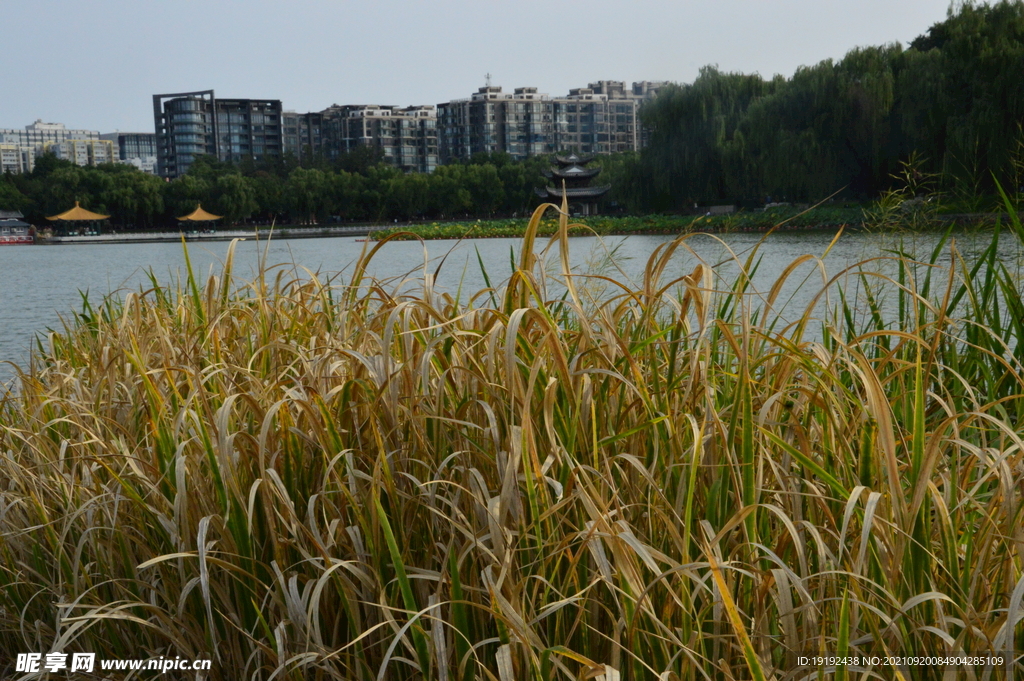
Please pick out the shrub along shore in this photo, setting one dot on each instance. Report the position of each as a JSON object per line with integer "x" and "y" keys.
{"x": 303, "y": 479}
{"x": 777, "y": 219}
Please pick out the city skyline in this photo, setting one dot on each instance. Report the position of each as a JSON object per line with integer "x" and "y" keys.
{"x": 317, "y": 53}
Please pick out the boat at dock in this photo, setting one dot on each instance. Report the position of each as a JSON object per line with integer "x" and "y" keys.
{"x": 14, "y": 231}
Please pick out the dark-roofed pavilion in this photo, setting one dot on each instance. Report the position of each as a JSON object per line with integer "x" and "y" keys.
{"x": 571, "y": 178}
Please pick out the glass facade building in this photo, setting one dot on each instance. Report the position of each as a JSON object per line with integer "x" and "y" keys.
{"x": 191, "y": 124}
{"x": 134, "y": 148}
{"x": 303, "y": 134}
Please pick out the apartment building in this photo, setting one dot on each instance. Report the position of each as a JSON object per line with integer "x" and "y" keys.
{"x": 13, "y": 159}
{"x": 406, "y": 137}
{"x": 191, "y": 124}
{"x": 83, "y": 152}
{"x": 520, "y": 123}
{"x": 184, "y": 130}
{"x": 21, "y": 147}
{"x": 303, "y": 134}
{"x": 599, "y": 119}
{"x": 39, "y": 133}
{"x": 249, "y": 128}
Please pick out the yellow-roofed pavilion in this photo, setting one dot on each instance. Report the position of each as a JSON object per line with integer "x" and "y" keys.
{"x": 79, "y": 214}
{"x": 199, "y": 215}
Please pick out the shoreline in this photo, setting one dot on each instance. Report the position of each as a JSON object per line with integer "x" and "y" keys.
{"x": 495, "y": 229}
{"x": 664, "y": 225}
{"x": 224, "y": 235}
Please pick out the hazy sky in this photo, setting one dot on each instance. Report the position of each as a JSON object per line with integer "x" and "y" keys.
{"x": 96, "y": 64}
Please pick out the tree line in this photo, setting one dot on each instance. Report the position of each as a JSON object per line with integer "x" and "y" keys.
{"x": 358, "y": 187}
{"x": 951, "y": 104}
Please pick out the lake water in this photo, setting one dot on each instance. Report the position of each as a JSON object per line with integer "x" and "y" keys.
{"x": 40, "y": 285}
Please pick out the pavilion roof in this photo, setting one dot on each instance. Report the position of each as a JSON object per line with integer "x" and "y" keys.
{"x": 578, "y": 192}
{"x": 575, "y": 171}
{"x": 200, "y": 215}
{"x": 573, "y": 160}
{"x": 79, "y": 213}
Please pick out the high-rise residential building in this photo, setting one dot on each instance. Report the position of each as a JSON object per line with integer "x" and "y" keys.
{"x": 521, "y": 123}
{"x": 13, "y": 159}
{"x": 184, "y": 130}
{"x": 190, "y": 124}
{"x": 477, "y": 124}
{"x": 406, "y": 137}
{"x": 599, "y": 119}
{"x": 249, "y": 128}
{"x": 83, "y": 152}
{"x": 529, "y": 124}
{"x": 592, "y": 122}
{"x": 641, "y": 92}
{"x": 134, "y": 148}
{"x": 33, "y": 141}
{"x": 39, "y": 133}
{"x": 303, "y": 134}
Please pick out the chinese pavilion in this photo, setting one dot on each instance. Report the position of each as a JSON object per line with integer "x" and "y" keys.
{"x": 572, "y": 176}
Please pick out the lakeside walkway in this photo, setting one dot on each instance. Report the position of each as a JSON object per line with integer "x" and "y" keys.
{"x": 219, "y": 235}
{"x": 500, "y": 228}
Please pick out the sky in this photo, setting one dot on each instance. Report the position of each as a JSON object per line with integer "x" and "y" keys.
{"x": 96, "y": 65}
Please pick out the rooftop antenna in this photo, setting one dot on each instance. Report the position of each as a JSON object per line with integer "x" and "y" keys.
{"x": 488, "y": 77}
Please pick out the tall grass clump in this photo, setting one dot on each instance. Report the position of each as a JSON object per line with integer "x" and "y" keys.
{"x": 301, "y": 480}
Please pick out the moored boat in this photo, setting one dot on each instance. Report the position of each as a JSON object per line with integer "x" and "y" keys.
{"x": 14, "y": 231}
{"x": 19, "y": 238}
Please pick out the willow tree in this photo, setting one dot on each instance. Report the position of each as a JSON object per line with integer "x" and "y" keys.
{"x": 954, "y": 100}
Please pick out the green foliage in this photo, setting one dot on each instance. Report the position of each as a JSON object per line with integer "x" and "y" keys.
{"x": 184, "y": 193}
{"x": 62, "y": 188}
{"x": 268, "y": 192}
{"x": 360, "y": 159}
{"x": 47, "y": 164}
{"x": 357, "y": 188}
{"x": 827, "y": 218}
{"x": 954, "y": 97}
{"x": 11, "y": 197}
{"x": 133, "y": 197}
{"x": 307, "y": 193}
{"x": 234, "y": 197}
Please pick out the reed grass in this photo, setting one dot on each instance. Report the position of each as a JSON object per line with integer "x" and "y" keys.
{"x": 306, "y": 480}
